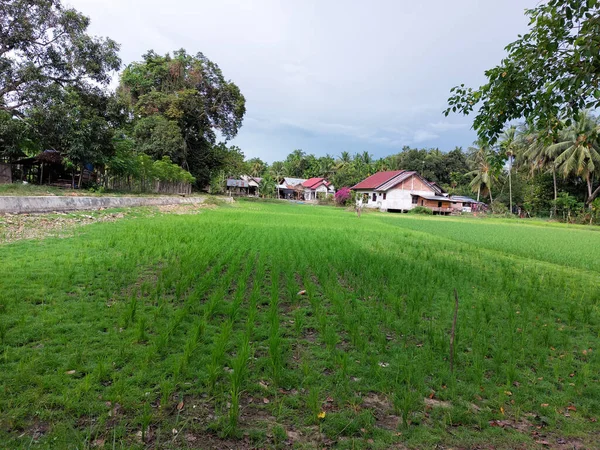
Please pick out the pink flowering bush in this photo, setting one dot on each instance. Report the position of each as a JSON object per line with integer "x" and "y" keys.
{"x": 342, "y": 196}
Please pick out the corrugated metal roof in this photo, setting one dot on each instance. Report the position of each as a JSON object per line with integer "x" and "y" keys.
{"x": 463, "y": 199}
{"x": 237, "y": 183}
{"x": 293, "y": 181}
{"x": 376, "y": 180}
{"x": 396, "y": 180}
{"x": 433, "y": 197}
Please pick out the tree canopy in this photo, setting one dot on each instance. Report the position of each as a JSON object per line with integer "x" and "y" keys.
{"x": 44, "y": 48}
{"x": 548, "y": 76}
{"x": 188, "y": 92}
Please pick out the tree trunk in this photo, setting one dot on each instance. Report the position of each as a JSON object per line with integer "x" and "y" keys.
{"x": 491, "y": 198}
{"x": 80, "y": 177}
{"x": 478, "y": 192}
{"x": 555, "y": 189}
{"x": 42, "y": 173}
{"x": 510, "y": 184}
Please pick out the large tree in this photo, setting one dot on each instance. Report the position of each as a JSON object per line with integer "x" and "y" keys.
{"x": 44, "y": 48}
{"x": 191, "y": 91}
{"x": 549, "y": 73}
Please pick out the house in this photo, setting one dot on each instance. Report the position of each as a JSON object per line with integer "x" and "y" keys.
{"x": 315, "y": 187}
{"x": 402, "y": 190}
{"x": 253, "y": 184}
{"x": 291, "y": 188}
{"x": 237, "y": 187}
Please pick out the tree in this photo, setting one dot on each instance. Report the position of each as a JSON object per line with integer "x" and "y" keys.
{"x": 578, "y": 151}
{"x": 267, "y": 186}
{"x": 550, "y": 73}
{"x": 44, "y": 48}
{"x": 483, "y": 170}
{"x": 78, "y": 124}
{"x": 509, "y": 145}
{"x": 158, "y": 136}
{"x": 277, "y": 171}
{"x": 256, "y": 166}
{"x": 191, "y": 91}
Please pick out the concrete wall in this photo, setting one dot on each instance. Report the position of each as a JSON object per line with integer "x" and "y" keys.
{"x": 48, "y": 204}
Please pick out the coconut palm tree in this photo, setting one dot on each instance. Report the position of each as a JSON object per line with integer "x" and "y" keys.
{"x": 510, "y": 144}
{"x": 578, "y": 151}
{"x": 536, "y": 152}
{"x": 277, "y": 171}
{"x": 483, "y": 171}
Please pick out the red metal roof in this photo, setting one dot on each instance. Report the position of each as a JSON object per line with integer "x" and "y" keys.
{"x": 312, "y": 182}
{"x": 376, "y": 180}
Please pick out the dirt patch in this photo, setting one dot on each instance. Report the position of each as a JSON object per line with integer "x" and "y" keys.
{"x": 16, "y": 227}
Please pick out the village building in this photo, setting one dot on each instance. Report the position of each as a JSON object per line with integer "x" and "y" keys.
{"x": 315, "y": 188}
{"x": 402, "y": 190}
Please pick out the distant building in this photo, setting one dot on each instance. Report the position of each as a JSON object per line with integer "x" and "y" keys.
{"x": 403, "y": 190}
{"x": 315, "y": 187}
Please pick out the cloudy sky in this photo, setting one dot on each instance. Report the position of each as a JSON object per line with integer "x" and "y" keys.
{"x": 327, "y": 76}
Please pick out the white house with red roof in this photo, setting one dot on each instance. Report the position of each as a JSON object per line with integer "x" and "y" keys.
{"x": 313, "y": 187}
{"x": 401, "y": 190}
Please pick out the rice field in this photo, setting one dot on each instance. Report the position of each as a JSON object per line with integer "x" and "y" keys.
{"x": 271, "y": 325}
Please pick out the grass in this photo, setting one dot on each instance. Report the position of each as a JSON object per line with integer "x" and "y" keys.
{"x": 268, "y": 325}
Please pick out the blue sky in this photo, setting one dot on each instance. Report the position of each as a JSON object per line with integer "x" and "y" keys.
{"x": 329, "y": 76}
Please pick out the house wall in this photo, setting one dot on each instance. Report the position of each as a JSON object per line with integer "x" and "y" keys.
{"x": 433, "y": 203}
{"x": 400, "y": 197}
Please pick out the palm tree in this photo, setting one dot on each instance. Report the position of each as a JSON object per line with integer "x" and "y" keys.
{"x": 578, "y": 151}
{"x": 481, "y": 162}
{"x": 277, "y": 171}
{"x": 536, "y": 153}
{"x": 510, "y": 144}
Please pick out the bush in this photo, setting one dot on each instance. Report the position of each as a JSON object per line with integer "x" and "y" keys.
{"x": 499, "y": 207}
{"x": 342, "y": 196}
{"x": 325, "y": 200}
{"x": 421, "y": 210}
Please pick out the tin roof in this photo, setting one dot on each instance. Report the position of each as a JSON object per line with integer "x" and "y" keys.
{"x": 291, "y": 182}
{"x": 463, "y": 199}
{"x": 433, "y": 197}
{"x": 237, "y": 183}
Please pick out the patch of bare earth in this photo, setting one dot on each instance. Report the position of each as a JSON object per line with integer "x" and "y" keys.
{"x": 16, "y": 227}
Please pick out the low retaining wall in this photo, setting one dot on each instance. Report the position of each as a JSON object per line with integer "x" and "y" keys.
{"x": 16, "y": 205}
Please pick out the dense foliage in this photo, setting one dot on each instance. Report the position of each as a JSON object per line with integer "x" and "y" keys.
{"x": 550, "y": 73}
{"x": 179, "y": 103}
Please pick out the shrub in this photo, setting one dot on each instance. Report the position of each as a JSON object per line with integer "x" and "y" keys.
{"x": 342, "y": 196}
{"x": 499, "y": 207}
{"x": 421, "y": 210}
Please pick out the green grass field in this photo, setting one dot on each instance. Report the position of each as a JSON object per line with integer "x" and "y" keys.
{"x": 189, "y": 331}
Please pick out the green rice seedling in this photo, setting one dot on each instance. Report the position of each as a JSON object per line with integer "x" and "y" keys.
{"x": 140, "y": 331}
{"x": 145, "y": 420}
{"x": 129, "y": 313}
{"x": 237, "y": 377}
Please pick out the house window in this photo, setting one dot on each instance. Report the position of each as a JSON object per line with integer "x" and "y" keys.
{"x": 415, "y": 200}
{"x": 421, "y": 202}
{"x": 439, "y": 204}
{"x": 374, "y": 197}
{"x": 384, "y": 195}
